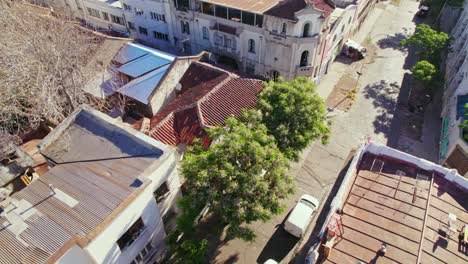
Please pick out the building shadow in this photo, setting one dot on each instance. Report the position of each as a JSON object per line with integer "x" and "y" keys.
{"x": 322, "y": 217}
{"x": 279, "y": 245}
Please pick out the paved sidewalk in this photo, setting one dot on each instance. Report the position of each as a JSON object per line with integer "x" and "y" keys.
{"x": 372, "y": 114}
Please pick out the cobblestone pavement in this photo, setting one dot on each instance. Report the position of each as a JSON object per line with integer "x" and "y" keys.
{"x": 372, "y": 115}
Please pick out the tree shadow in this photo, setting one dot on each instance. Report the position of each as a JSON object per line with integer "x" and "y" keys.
{"x": 384, "y": 98}
{"x": 392, "y": 42}
{"x": 279, "y": 245}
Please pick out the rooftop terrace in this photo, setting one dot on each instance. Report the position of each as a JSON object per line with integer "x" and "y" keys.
{"x": 404, "y": 206}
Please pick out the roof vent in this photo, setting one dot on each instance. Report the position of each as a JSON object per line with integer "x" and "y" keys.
{"x": 178, "y": 87}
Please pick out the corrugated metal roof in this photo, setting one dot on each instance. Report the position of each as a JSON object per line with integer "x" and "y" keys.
{"x": 113, "y": 171}
{"x": 129, "y": 53}
{"x": 143, "y": 65}
{"x": 140, "y": 89}
{"x": 208, "y": 100}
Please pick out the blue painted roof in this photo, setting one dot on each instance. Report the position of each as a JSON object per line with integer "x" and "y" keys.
{"x": 146, "y": 67}
{"x": 143, "y": 65}
{"x": 129, "y": 53}
{"x": 141, "y": 88}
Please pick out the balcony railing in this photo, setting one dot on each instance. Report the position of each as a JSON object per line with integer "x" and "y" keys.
{"x": 307, "y": 70}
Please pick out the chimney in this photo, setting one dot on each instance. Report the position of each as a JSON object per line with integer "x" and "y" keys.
{"x": 145, "y": 125}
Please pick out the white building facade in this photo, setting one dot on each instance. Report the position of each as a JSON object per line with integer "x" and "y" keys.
{"x": 262, "y": 40}
{"x": 454, "y": 140}
{"x": 150, "y": 22}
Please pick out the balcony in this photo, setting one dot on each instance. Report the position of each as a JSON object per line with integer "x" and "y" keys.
{"x": 305, "y": 71}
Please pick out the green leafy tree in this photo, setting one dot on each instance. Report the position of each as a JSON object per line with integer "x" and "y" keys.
{"x": 294, "y": 114}
{"x": 464, "y": 124}
{"x": 241, "y": 177}
{"x": 423, "y": 71}
{"x": 184, "y": 243}
{"x": 429, "y": 41}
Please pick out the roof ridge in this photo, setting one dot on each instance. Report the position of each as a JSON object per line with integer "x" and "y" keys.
{"x": 213, "y": 67}
{"x": 207, "y": 96}
{"x": 171, "y": 113}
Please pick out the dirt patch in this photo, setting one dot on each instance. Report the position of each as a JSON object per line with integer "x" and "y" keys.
{"x": 343, "y": 94}
{"x": 413, "y": 126}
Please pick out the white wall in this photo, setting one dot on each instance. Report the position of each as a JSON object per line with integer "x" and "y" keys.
{"x": 457, "y": 82}
{"x": 145, "y": 20}
{"x": 104, "y": 248}
{"x": 75, "y": 255}
{"x": 103, "y": 7}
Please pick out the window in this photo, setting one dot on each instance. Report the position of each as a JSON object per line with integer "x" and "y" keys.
{"x": 275, "y": 27}
{"x": 143, "y": 30}
{"x": 138, "y": 11}
{"x": 208, "y": 8}
{"x": 234, "y": 15}
{"x": 251, "y": 46}
{"x": 221, "y": 11}
{"x": 334, "y": 38}
{"x": 284, "y": 28}
{"x": 145, "y": 251}
{"x": 227, "y": 42}
{"x": 304, "y": 58}
{"x": 117, "y": 20}
{"x": 163, "y": 18}
{"x": 206, "y": 34}
{"x": 131, "y": 235}
{"x": 131, "y": 25}
{"x": 305, "y": 33}
{"x": 183, "y": 5}
{"x": 275, "y": 75}
{"x": 154, "y": 16}
{"x": 93, "y": 12}
{"x": 127, "y": 7}
{"x": 159, "y": 35}
{"x": 250, "y": 68}
{"x": 162, "y": 192}
{"x": 185, "y": 27}
{"x": 218, "y": 39}
{"x": 349, "y": 20}
{"x": 105, "y": 16}
{"x": 342, "y": 29}
{"x": 248, "y": 18}
{"x": 259, "y": 21}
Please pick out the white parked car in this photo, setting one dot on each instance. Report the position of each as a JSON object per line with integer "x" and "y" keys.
{"x": 301, "y": 215}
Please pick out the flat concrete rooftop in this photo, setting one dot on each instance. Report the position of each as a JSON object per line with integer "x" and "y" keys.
{"x": 382, "y": 207}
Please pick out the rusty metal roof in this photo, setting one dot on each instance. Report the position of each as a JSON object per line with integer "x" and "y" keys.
{"x": 43, "y": 222}
{"x": 404, "y": 206}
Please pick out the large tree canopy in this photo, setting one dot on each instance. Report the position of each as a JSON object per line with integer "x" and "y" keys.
{"x": 241, "y": 177}
{"x": 294, "y": 114}
{"x": 42, "y": 67}
{"x": 429, "y": 41}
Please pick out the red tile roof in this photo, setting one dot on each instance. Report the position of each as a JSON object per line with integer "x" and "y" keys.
{"x": 234, "y": 95}
{"x": 208, "y": 101}
{"x": 286, "y": 9}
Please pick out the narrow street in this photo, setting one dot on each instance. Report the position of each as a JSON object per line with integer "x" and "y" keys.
{"x": 382, "y": 84}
